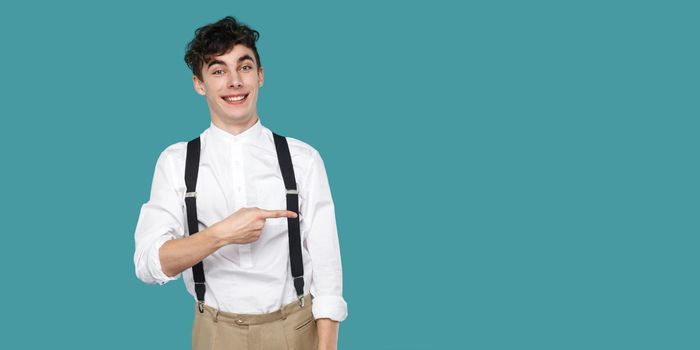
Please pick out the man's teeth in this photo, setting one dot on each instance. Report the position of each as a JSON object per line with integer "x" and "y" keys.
{"x": 235, "y": 98}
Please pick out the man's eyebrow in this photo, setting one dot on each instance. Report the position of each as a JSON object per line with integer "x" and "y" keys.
{"x": 241, "y": 59}
{"x": 216, "y": 62}
{"x": 245, "y": 57}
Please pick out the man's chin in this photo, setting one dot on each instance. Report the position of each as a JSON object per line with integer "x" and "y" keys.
{"x": 238, "y": 119}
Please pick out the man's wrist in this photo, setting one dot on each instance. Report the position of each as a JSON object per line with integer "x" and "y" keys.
{"x": 216, "y": 236}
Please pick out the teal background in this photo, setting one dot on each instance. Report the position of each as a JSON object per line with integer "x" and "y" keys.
{"x": 507, "y": 175}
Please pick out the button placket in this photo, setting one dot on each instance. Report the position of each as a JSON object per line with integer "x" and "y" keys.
{"x": 239, "y": 175}
{"x": 244, "y": 250}
{"x": 245, "y": 254}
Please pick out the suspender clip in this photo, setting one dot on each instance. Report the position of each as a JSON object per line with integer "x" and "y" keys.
{"x": 292, "y": 191}
{"x": 299, "y": 286}
{"x": 190, "y": 194}
{"x": 200, "y": 305}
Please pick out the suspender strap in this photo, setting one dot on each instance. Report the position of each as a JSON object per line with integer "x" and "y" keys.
{"x": 191, "y": 172}
{"x": 285, "y": 161}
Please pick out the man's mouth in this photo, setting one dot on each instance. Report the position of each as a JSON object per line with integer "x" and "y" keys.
{"x": 235, "y": 99}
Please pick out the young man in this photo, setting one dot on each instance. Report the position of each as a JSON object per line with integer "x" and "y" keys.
{"x": 258, "y": 252}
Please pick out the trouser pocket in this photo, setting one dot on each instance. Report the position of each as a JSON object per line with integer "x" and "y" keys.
{"x": 301, "y": 330}
{"x": 203, "y": 332}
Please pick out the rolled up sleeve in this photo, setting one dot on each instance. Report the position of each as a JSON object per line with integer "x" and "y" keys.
{"x": 320, "y": 230}
{"x": 160, "y": 219}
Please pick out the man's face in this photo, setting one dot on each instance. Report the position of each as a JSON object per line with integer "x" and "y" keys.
{"x": 228, "y": 78}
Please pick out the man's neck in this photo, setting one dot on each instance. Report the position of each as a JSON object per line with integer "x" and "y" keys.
{"x": 235, "y": 128}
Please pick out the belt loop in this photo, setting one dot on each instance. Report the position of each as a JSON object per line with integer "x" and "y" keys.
{"x": 216, "y": 315}
{"x": 283, "y": 310}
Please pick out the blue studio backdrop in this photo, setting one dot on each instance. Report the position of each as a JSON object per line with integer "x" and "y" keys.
{"x": 506, "y": 174}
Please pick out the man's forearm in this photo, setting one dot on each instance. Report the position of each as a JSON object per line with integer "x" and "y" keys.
{"x": 177, "y": 255}
{"x": 327, "y": 334}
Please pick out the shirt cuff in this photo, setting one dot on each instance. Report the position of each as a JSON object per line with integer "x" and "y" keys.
{"x": 329, "y": 306}
{"x": 154, "y": 266}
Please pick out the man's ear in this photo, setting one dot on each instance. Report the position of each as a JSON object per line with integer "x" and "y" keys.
{"x": 198, "y": 85}
{"x": 261, "y": 77}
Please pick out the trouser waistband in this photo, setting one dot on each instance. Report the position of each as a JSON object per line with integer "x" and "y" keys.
{"x": 253, "y": 319}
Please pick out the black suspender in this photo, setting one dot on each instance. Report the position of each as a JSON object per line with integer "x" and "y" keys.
{"x": 191, "y": 171}
{"x": 285, "y": 162}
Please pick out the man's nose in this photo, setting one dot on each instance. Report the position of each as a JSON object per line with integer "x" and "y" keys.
{"x": 235, "y": 81}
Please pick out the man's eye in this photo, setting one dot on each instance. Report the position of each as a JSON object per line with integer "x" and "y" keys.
{"x": 247, "y": 68}
{"x": 218, "y": 72}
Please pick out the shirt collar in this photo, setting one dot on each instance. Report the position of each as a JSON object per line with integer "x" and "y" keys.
{"x": 251, "y": 134}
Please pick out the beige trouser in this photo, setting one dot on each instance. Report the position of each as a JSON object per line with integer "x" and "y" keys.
{"x": 291, "y": 327}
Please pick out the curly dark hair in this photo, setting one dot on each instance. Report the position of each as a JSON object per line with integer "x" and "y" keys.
{"x": 216, "y": 39}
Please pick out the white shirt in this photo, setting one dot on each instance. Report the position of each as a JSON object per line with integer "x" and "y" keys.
{"x": 238, "y": 171}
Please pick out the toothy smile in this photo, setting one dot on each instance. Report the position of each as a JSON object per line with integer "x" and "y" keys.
{"x": 234, "y": 99}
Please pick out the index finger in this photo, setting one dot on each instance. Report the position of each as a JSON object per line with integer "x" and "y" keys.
{"x": 268, "y": 214}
